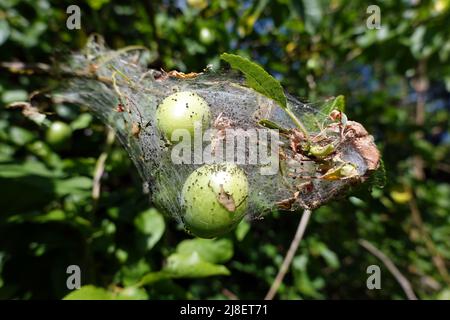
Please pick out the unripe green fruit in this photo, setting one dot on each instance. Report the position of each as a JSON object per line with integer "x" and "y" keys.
{"x": 58, "y": 134}
{"x": 182, "y": 110}
{"x": 206, "y": 36}
{"x": 215, "y": 199}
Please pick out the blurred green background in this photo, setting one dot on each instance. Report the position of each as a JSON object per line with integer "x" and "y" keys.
{"x": 397, "y": 84}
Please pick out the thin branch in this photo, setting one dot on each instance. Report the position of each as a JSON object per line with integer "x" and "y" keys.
{"x": 17, "y": 67}
{"x": 290, "y": 255}
{"x": 444, "y": 167}
{"x": 401, "y": 279}
{"x": 45, "y": 69}
{"x": 100, "y": 166}
{"x": 420, "y": 85}
{"x": 230, "y": 295}
{"x": 437, "y": 258}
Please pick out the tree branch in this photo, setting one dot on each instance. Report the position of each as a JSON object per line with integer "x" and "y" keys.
{"x": 437, "y": 258}
{"x": 290, "y": 255}
{"x": 100, "y": 165}
{"x": 401, "y": 279}
{"x": 420, "y": 85}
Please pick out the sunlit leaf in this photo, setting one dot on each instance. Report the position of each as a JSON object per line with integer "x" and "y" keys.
{"x": 214, "y": 251}
{"x": 89, "y": 292}
{"x": 151, "y": 224}
{"x": 185, "y": 265}
{"x": 257, "y": 78}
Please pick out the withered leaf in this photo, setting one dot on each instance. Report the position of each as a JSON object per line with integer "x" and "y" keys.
{"x": 135, "y": 129}
{"x": 182, "y": 75}
{"x": 296, "y": 138}
{"x": 286, "y": 204}
{"x": 226, "y": 200}
{"x": 29, "y": 111}
{"x": 364, "y": 144}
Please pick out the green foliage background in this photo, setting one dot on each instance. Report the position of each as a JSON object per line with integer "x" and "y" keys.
{"x": 396, "y": 81}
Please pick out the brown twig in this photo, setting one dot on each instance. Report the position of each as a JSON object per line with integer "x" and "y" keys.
{"x": 420, "y": 85}
{"x": 401, "y": 279}
{"x": 290, "y": 255}
{"x": 18, "y": 67}
{"x": 437, "y": 258}
{"x": 230, "y": 295}
{"x": 444, "y": 167}
{"x": 45, "y": 69}
{"x": 100, "y": 166}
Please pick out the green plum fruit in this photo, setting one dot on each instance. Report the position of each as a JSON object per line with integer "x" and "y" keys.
{"x": 214, "y": 198}
{"x": 182, "y": 110}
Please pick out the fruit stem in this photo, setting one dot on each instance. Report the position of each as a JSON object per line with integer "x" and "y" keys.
{"x": 297, "y": 122}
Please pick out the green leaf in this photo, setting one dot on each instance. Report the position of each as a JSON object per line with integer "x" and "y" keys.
{"x": 447, "y": 82}
{"x": 272, "y": 125}
{"x": 21, "y": 136}
{"x": 214, "y": 251}
{"x": 97, "y": 4}
{"x": 302, "y": 281}
{"x": 191, "y": 265}
{"x": 82, "y": 122}
{"x": 242, "y": 229}
{"x": 419, "y": 43}
{"x": 185, "y": 265}
{"x": 195, "y": 258}
{"x": 5, "y": 31}
{"x": 89, "y": 292}
{"x": 257, "y": 78}
{"x": 132, "y": 293}
{"x": 310, "y": 12}
{"x": 25, "y": 169}
{"x": 338, "y": 103}
{"x": 6, "y": 152}
{"x": 153, "y": 277}
{"x": 75, "y": 185}
{"x": 43, "y": 151}
{"x": 56, "y": 215}
{"x": 320, "y": 248}
{"x": 11, "y": 96}
{"x": 150, "y": 223}
{"x": 131, "y": 273}
{"x": 321, "y": 152}
{"x": 443, "y": 295}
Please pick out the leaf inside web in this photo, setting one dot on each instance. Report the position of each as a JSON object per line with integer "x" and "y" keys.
{"x": 257, "y": 78}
